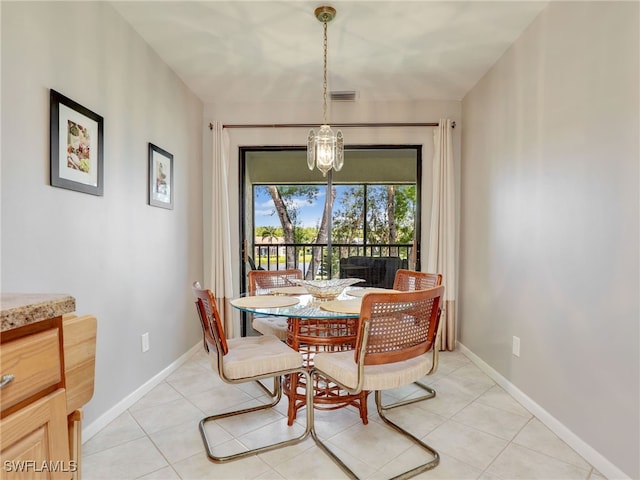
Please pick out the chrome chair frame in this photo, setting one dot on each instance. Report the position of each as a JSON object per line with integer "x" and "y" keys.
{"x": 276, "y": 394}
{"x": 434, "y": 280}
{"x": 380, "y": 408}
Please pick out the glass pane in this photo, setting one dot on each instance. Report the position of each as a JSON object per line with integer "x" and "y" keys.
{"x": 348, "y": 215}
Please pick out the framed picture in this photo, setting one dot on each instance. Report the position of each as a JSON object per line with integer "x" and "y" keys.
{"x": 160, "y": 177}
{"x": 76, "y": 146}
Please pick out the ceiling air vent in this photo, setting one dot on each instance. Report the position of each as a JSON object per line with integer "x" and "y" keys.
{"x": 344, "y": 96}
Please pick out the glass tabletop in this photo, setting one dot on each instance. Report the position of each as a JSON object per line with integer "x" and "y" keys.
{"x": 305, "y": 306}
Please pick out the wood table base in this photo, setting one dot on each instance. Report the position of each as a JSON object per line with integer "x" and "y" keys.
{"x": 310, "y": 336}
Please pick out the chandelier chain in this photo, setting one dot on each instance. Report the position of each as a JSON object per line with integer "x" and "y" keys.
{"x": 324, "y": 78}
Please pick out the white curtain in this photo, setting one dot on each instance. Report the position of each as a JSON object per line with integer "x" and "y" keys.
{"x": 218, "y": 250}
{"x": 441, "y": 257}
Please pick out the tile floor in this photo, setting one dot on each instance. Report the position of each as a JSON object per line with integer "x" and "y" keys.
{"x": 479, "y": 430}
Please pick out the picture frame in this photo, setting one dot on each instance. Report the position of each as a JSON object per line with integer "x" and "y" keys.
{"x": 160, "y": 177}
{"x": 76, "y": 146}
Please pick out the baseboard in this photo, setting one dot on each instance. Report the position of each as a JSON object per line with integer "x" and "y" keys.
{"x": 604, "y": 466}
{"x": 103, "y": 420}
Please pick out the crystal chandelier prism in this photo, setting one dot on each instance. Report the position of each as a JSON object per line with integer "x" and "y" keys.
{"x": 325, "y": 149}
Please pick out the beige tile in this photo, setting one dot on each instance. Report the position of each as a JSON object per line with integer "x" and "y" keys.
{"x": 373, "y": 444}
{"x": 330, "y": 422}
{"x": 517, "y": 462}
{"x": 471, "y": 379}
{"x": 448, "y": 468}
{"x": 406, "y": 392}
{"x": 239, "y": 425}
{"x": 159, "y": 395}
{"x": 221, "y": 399}
{"x": 450, "y": 398}
{"x": 496, "y": 397}
{"x": 121, "y": 430}
{"x": 126, "y": 461}
{"x": 596, "y": 475}
{"x": 216, "y": 434}
{"x": 282, "y": 455}
{"x": 499, "y": 423}
{"x": 179, "y": 442}
{"x": 270, "y": 475}
{"x": 451, "y": 361}
{"x": 416, "y": 420}
{"x": 272, "y": 432}
{"x": 201, "y": 359}
{"x": 466, "y": 444}
{"x": 311, "y": 464}
{"x": 488, "y": 476}
{"x": 198, "y": 365}
{"x": 167, "y": 415}
{"x": 199, "y": 467}
{"x": 192, "y": 383}
{"x": 253, "y": 389}
{"x": 536, "y": 436}
{"x": 166, "y": 473}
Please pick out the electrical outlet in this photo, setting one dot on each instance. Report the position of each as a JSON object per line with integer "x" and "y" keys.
{"x": 516, "y": 346}
{"x": 145, "y": 342}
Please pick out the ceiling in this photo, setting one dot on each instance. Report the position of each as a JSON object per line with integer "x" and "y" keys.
{"x": 260, "y": 51}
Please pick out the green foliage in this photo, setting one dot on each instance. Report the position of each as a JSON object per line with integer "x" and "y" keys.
{"x": 348, "y": 217}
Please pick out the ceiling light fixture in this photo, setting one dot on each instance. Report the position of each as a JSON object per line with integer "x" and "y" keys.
{"x": 325, "y": 149}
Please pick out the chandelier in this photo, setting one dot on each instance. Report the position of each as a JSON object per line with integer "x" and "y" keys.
{"x": 325, "y": 149}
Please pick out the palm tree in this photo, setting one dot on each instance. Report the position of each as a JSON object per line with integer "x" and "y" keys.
{"x": 269, "y": 233}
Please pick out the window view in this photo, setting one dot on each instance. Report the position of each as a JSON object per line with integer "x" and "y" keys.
{"x": 372, "y": 213}
{"x": 367, "y": 220}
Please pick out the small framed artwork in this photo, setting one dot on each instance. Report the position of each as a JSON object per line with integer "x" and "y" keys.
{"x": 76, "y": 146}
{"x": 160, "y": 177}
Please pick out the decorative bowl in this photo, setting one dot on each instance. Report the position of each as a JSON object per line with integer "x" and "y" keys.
{"x": 324, "y": 290}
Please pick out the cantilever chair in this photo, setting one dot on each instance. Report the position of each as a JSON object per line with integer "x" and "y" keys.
{"x": 246, "y": 359}
{"x": 395, "y": 333}
{"x": 408, "y": 281}
{"x": 261, "y": 282}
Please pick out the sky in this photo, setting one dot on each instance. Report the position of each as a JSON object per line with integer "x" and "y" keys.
{"x": 265, "y": 213}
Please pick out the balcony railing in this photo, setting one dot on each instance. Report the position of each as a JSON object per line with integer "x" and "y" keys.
{"x": 312, "y": 258}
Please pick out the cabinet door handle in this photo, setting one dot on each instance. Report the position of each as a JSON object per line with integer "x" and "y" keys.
{"x": 6, "y": 380}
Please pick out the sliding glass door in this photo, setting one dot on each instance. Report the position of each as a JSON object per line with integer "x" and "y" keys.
{"x": 374, "y": 209}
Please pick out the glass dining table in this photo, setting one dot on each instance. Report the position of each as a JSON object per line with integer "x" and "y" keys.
{"x": 313, "y": 326}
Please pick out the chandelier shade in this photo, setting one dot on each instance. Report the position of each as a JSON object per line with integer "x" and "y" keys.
{"x": 325, "y": 149}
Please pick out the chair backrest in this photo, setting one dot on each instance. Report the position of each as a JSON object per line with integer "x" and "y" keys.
{"x": 401, "y": 325}
{"x": 209, "y": 317}
{"x": 409, "y": 280}
{"x": 261, "y": 281}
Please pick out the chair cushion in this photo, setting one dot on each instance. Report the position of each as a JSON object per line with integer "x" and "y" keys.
{"x": 253, "y": 356}
{"x": 271, "y": 326}
{"x": 342, "y": 367}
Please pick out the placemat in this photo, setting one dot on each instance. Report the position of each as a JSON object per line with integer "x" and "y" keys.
{"x": 360, "y": 292}
{"x": 264, "y": 301}
{"x": 342, "y": 306}
{"x": 289, "y": 290}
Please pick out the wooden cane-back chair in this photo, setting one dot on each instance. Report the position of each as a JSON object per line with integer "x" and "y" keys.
{"x": 395, "y": 335}
{"x": 260, "y": 283}
{"x": 246, "y": 359}
{"x": 407, "y": 281}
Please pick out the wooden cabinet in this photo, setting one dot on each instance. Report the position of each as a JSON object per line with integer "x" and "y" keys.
{"x": 34, "y": 440}
{"x": 48, "y": 371}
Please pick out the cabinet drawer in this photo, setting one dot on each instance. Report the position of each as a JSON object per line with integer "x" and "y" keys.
{"x": 34, "y": 361}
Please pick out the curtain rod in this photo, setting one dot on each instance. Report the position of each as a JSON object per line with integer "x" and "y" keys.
{"x": 343, "y": 125}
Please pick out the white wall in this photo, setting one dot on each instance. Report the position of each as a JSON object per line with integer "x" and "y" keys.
{"x": 127, "y": 263}
{"x": 347, "y": 112}
{"x": 550, "y": 222}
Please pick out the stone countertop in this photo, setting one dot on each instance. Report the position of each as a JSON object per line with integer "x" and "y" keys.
{"x": 18, "y": 309}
